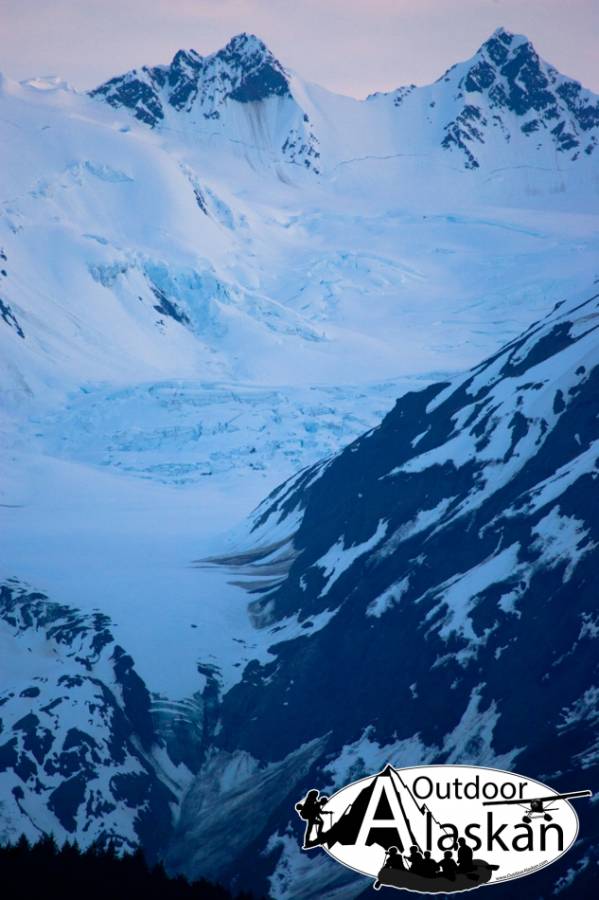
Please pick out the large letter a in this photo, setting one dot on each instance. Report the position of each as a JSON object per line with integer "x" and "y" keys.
{"x": 370, "y": 821}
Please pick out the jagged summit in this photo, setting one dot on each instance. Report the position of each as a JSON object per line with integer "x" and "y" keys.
{"x": 244, "y": 70}
{"x": 244, "y": 43}
{"x": 495, "y": 50}
{"x": 264, "y": 75}
{"x": 508, "y": 66}
{"x": 210, "y": 87}
{"x": 185, "y": 57}
{"x": 506, "y": 37}
{"x": 244, "y": 51}
{"x": 507, "y": 89}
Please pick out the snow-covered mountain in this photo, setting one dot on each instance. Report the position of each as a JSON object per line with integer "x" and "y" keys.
{"x": 183, "y": 202}
{"x": 212, "y": 275}
{"x": 241, "y": 91}
{"x": 505, "y": 94}
{"x": 442, "y": 568}
{"x": 439, "y": 572}
{"x": 80, "y": 756}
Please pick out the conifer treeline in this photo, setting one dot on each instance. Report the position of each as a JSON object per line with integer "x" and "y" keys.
{"x": 48, "y": 872}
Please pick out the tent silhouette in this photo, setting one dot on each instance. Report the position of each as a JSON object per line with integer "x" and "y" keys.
{"x": 410, "y": 826}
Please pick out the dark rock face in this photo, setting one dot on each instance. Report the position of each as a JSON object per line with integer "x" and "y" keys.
{"x": 137, "y": 91}
{"x": 168, "y": 307}
{"x": 268, "y": 81}
{"x": 262, "y": 76}
{"x": 453, "y": 550}
{"x": 9, "y": 317}
{"x": 528, "y": 85}
{"x": 182, "y": 78}
{"x": 464, "y": 130}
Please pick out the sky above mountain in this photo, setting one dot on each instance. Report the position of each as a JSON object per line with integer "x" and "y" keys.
{"x": 349, "y": 46}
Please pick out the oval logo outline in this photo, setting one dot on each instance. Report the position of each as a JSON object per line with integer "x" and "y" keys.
{"x": 339, "y": 805}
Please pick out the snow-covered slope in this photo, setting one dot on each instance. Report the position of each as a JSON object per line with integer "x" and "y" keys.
{"x": 200, "y": 241}
{"x": 443, "y": 569}
{"x": 80, "y": 756}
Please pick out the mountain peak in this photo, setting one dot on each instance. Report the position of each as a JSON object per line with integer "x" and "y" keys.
{"x": 507, "y": 76}
{"x": 244, "y": 71}
{"x": 245, "y": 50}
{"x": 503, "y": 43}
{"x": 507, "y": 37}
{"x": 255, "y": 74}
{"x": 504, "y": 34}
{"x": 246, "y": 43}
{"x": 186, "y": 57}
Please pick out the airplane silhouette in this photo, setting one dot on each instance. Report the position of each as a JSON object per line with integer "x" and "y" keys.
{"x": 535, "y": 806}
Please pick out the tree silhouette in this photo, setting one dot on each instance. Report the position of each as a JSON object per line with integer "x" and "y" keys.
{"x": 46, "y": 871}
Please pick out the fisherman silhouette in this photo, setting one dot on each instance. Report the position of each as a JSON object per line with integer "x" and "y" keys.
{"x": 310, "y": 810}
{"x": 430, "y": 866}
{"x": 449, "y": 867}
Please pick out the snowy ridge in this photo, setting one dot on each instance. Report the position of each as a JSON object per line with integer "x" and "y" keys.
{"x": 241, "y": 91}
{"x": 504, "y": 95}
{"x": 507, "y": 454}
{"x": 497, "y": 420}
{"x": 507, "y": 94}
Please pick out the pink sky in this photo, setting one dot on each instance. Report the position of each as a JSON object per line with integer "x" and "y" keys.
{"x": 350, "y": 46}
